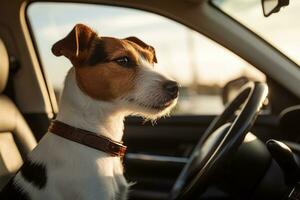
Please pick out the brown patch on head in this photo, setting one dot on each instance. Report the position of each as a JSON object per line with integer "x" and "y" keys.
{"x": 103, "y": 78}
{"x": 105, "y": 81}
{"x": 101, "y": 70}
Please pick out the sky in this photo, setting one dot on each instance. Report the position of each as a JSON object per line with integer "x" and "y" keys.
{"x": 182, "y": 54}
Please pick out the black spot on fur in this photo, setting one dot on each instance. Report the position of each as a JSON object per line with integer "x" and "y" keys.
{"x": 98, "y": 55}
{"x": 34, "y": 173}
{"x": 13, "y": 192}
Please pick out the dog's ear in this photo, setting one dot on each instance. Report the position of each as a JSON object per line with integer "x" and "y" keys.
{"x": 143, "y": 45}
{"x": 75, "y": 46}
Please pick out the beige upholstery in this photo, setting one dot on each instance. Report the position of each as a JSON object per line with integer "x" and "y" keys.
{"x": 4, "y": 66}
{"x": 16, "y": 138}
{"x": 10, "y": 160}
{"x": 9, "y": 148}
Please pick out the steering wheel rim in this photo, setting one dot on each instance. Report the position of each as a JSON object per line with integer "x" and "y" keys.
{"x": 221, "y": 139}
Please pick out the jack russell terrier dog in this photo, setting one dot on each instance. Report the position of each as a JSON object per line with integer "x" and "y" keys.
{"x": 79, "y": 158}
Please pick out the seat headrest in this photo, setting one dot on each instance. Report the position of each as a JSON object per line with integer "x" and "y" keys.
{"x": 4, "y": 66}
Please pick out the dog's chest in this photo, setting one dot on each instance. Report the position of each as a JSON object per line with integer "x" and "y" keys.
{"x": 75, "y": 171}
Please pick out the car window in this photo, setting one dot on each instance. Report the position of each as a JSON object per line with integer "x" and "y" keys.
{"x": 281, "y": 29}
{"x": 201, "y": 66}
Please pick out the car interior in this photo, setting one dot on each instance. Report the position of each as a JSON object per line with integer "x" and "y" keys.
{"x": 253, "y": 140}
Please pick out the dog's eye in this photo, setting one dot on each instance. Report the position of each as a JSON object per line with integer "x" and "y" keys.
{"x": 124, "y": 61}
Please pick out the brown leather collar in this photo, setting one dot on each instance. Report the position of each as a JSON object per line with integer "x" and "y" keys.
{"x": 87, "y": 138}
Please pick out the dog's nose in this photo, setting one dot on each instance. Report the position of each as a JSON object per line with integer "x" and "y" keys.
{"x": 171, "y": 87}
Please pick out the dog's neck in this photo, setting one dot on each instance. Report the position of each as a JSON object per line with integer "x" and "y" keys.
{"x": 81, "y": 111}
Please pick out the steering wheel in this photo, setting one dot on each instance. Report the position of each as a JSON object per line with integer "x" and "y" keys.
{"x": 220, "y": 140}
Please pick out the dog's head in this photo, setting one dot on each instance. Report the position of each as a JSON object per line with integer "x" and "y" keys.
{"x": 118, "y": 71}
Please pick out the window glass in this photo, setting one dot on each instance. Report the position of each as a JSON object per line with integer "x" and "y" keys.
{"x": 201, "y": 66}
{"x": 281, "y": 29}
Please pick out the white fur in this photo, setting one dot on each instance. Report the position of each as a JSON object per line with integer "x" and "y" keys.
{"x": 77, "y": 172}
{"x": 148, "y": 92}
